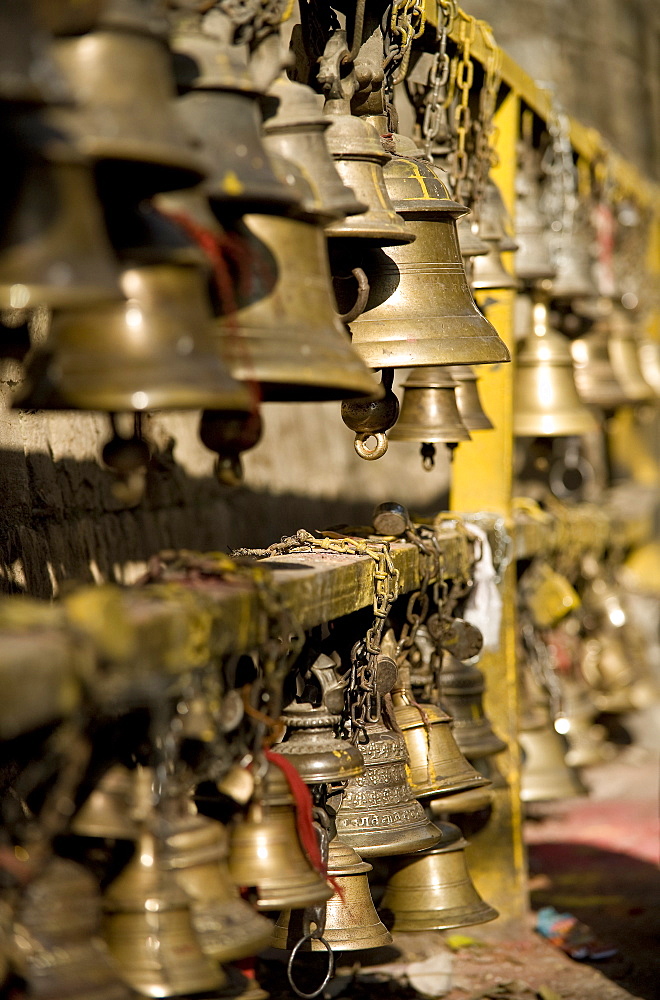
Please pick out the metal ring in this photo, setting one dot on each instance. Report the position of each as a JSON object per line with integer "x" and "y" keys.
{"x": 362, "y": 296}
{"x": 326, "y": 978}
{"x": 370, "y": 454}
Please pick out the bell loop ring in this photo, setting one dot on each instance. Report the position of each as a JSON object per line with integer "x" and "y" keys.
{"x": 378, "y": 450}
{"x": 326, "y": 978}
{"x": 360, "y": 304}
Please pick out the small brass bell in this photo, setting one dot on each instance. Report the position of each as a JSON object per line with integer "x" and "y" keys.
{"x": 28, "y": 74}
{"x": 429, "y": 412}
{"x": 533, "y": 261}
{"x": 462, "y": 687}
{"x": 310, "y": 744}
{"x": 494, "y": 220}
{"x": 623, "y": 348}
{"x": 467, "y": 397}
{"x": 106, "y": 813}
{"x": 489, "y": 273}
{"x": 433, "y": 890}
{"x": 574, "y": 278}
{"x": 420, "y": 311}
{"x": 265, "y": 852}
{"x": 57, "y": 948}
{"x": 649, "y": 357}
{"x": 436, "y": 765}
{"x": 471, "y": 245}
{"x": 229, "y": 433}
{"x": 351, "y": 923}
{"x": 596, "y": 381}
{"x": 546, "y": 399}
{"x": 586, "y": 739}
{"x": 379, "y": 815}
{"x": 545, "y": 774}
{"x": 149, "y": 929}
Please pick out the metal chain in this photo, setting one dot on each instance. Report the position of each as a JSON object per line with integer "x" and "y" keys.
{"x": 254, "y": 20}
{"x": 462, "y": 115}
{"x": 559, "y": 201}
{"x": 485, "y": 136}
{"x": 435, "y": 105}
{"x": 402, "y": 24}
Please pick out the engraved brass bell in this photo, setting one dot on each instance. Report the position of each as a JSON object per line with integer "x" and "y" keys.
{"x": 623, "y": 348}
{"x": 429, "y": 412}
{"x": 546, "y": 399}
{"x": 149, "y": 930}
{"x": 433, "y": 890}
{"x": 467, "y": 397}
{"x": 379, "y": 815}
{"x": 462, "y": 687}
{"x": 533, "y": 261}
{"x": 420, "y": 311}
{"x": 351, "y": 923}
{"x": 54, "y": 249}
{"x": 436, "y": 765}
{"x": 310, "y": 744}
{"x": 596, "y": 381}
{"x": 139, "y": 146}
{"x": 57, "y": 948}
{"x": 265, "y": 852}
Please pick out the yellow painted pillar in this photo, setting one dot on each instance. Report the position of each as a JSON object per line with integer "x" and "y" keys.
{"x": 482, "y": 481}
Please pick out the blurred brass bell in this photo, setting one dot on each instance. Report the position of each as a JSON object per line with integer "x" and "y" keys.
{"x": 467, "y": 397}
{"x": 649, "y": 357}
{"x": 265, "y": 852}
{"x": 574, "y": 278}
{"x": 546, "y": 400}
{"x": 228, "y": 928}
{"x": 623, "y": 348}
{"x": 106, "y": 812}
{"x": 470, "y": 243}
{"x": 597, "y": 382}
{"x": 436, "y": 764}
{"x": 379, "y": 815}
{"x": 489, "y": 273}
{"x": 545, "y": 774}
{"x": 462, "y": 687}
{"x": 68, "y": 17}
{"x": 310, "y": 744}
{"x": 429, "y": 411}
{"x": 149, "y": 929}
{"x": 587, "y": 740}
{"x": 280, "y": 328}
{"x": 54, "y": 249}
{"x": 420, "y": 311}
{"x": 351, "y": 923}
{"x": 433, "y": 890}
{"x": 533, "y": 261}
{"x": 57, "y": 948}
{"x": 28, "y": 73}
{"x": 494, "y": 221}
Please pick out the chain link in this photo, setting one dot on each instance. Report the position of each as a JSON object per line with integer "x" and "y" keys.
{"x": 435, "y": 104}
{"x": 559, "y": 201}
{"x": 404, "y": 23}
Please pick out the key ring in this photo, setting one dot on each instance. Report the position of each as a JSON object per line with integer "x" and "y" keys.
{"x": 328, "y": 975}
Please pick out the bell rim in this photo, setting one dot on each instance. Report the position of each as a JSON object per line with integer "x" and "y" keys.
{"x": 569, "y": 424}
{"x": 454, "y": 917}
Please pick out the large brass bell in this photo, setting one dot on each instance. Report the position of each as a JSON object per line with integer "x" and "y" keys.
{"x": 467, "y": 398}
{"x": 433, "y": 890}
{"x": 462, "y": 688}
{"x": 351, "y": 922}
{"x": 149, "y": 929}
{"x": 623, "y": 348}
{"x": 533, "y": 261}
{"x": 420, "y": 311}
{"x": 379, "y": 815}
{"x": 546, "y": 402}
{"x": 310, "y": 744}
{"x": 436, "y": 765}
{"x": 429, "y": 412}
{"x": 57, "y": 948}
{"x": 595, "y": 378}
{"x": 265, "y": 852}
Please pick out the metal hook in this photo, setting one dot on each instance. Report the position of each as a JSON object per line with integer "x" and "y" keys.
{"x": 370, "y": 454}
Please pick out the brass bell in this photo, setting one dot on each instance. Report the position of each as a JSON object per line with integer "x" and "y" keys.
{"x": 280, "y": 329}
{"x": 596, "y": 381}
{"x": 470, "y": 243}
{"x": 586, "y": 739}
{"x": 489, "y": 273}
{"x": 462, "y": 687}
{"x": 149, "y": 930}
{"x": 467, "y": 397}
{"x": 649, "y": 357}
{"x": 68, "y": 17}
{"x": 473, "y": 800}
{"x": 420, "y": 311}
{"x": 533, "y": 261}
{"x": 138, "y": 145}
{"x": 379, "y": 815}
{"x": 296, "y": 132}
{"x": 574, "y": 278}
{"x": 433, "y": 890}
{"x": 429, "y": 412}
{"x": 436, "y": 765}
{"x": 57, "y": 948}
{"x": 54, "y": 249}
{"x": 494, "y": 221}
{"x": 351, "y": 922}
{"x": 546, "y": 399}
{"x": 28, "y": 74}
{"x": 545, "y": 775}
{"x": 265, "y": 852}
{"x": 310, "y": 744}
{"x": 228, "y": 928}
{"x": 623, "y": 348}
{"x": 106, "y": 812}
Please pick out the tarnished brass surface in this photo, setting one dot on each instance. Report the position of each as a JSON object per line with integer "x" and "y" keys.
{"x": 596, "y": 380}
{"x": 462, "y": 687}
{"x": 311, "y": 745}
{"x": 429, "y": 410}
{"x": 351, "y": 923}
{"x": 467, "y": 398}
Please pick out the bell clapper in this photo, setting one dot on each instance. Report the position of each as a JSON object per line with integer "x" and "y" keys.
{"x": 128, "y": 458}
{"x": 230, "y": 432}
{"x": 427, "y": 451}
{"x": 370, "y": 417}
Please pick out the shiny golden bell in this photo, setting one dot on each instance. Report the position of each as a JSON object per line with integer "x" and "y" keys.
{"x": 574, "y": 278}
{"x": 468, "y": 400}
{"x": 429, "y": 410}
{"x": 462, "y": 687}
{"x": 311, "y": 745}
{"x": 420, "y": 311}
{"x": 470, "y": 243}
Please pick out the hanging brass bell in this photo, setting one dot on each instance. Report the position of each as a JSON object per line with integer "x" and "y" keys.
{"x": 228, "y": 928}
{"x": 310, "y": 744}
{"x": 106, "y": 812}
{"x": 28, "y": 74}
{"x": 586, "y": 739}
{"x": 546, "y": 400}
{"x": 54, "y": 249}
{"x": 57, "y": 948}
{"x": 545, "y": 775}
{"x": 596, "y": 381}
{"x": 462, "y": 687}
{"x": 489, "y": 273}
{"x": 420, "y": 311}
{"x": 351, "y": 922}
{"x": 649, "y": 358}
{"x": 467, "y": 398}
{"x": 429, "y": 411}
{"x": 623, "y": 348}
{"x": 149, "y": 930}
{"x": 265, "y": 852}
{"x": 470, "y": 243}
{"x": 280, "y": 329}
{"x": 436, "y": 765}
{"x": 494, "y": 220}
{"x": 433, "y": 890}
{"x": 533, "y": 261}
{"x": 379, "y": 815}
